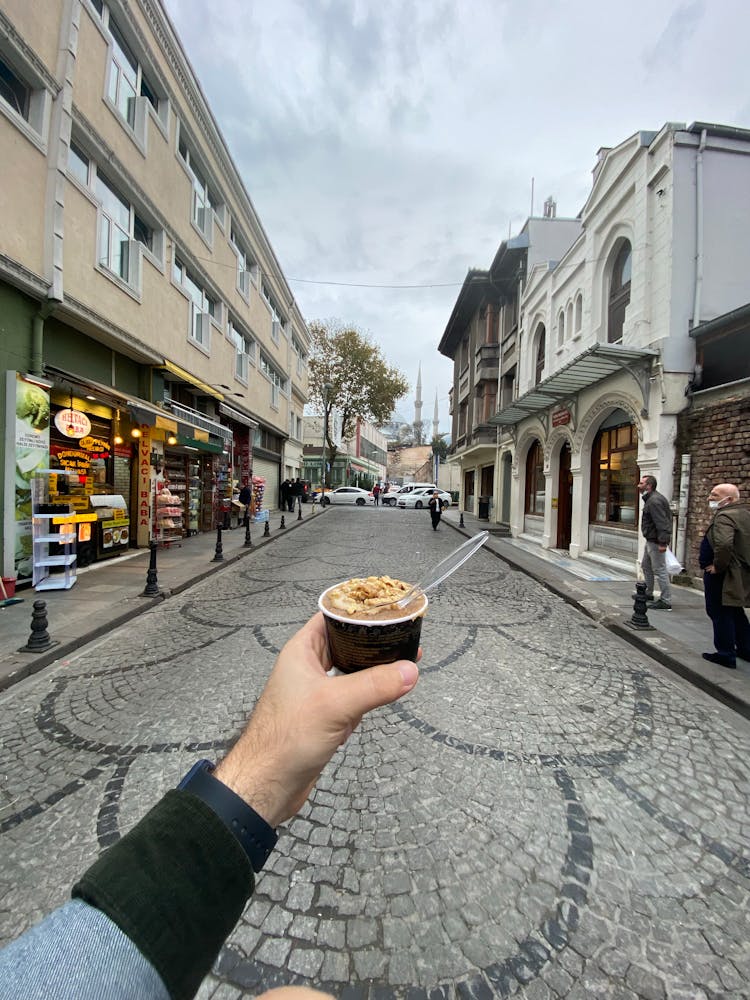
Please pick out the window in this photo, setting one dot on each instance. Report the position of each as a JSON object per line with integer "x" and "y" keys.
{"x": 127, "y": 81}
{"x": 569, "y": 320}
{"x": 277, "y": 322}
{"x": 619, "y": 293}
{"x": 535, "y": 480}
{"x": 14, "y": 91}
{"x": 579, "y": 312}
{"x": 78, "y": 164}
{"x": 120, "y": 230}
{"x": 245, "y": 267}
{"x": 204, "y": 307}
{"x": 23, "y": 96}
{"x": 560, "y": 329}
{"x": 278, "y": 382}
{"x": 245, "y": 348}
{"x": 299, "y": 351}
{"x": 203, "y": 202}
{"x": 615, "y": 475}
{"x": 540, "y": 353}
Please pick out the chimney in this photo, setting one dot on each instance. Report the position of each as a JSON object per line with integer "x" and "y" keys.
{"x": 550, "y": 208}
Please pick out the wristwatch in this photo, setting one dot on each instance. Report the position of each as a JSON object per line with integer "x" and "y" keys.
{"x": 257, "y": 838}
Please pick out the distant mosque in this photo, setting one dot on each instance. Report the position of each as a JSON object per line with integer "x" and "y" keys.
{"x": 418, "y": 405}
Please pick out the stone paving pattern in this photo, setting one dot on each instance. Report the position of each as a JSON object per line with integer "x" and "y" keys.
{"x": 549, "y": 814}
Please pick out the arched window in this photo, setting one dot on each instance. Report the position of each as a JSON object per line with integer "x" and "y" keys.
{"x": 541, "y": 348}
{"x": 535, "y": 480}
{"x": 619, "y": 292}
{"x": 579, "y": 312}
{"x": 569, "y": 320}
{"x": 614, "y": 473}
{"x": 560, "y": 328}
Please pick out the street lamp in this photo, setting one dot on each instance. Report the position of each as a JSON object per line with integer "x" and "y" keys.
{"x": 326, "y": 389}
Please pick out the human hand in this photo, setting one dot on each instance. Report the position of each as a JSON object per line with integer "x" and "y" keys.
{"x": 662, "y": 548}
{"x": 301, "y": 719}
{"x": 710, "y": 569}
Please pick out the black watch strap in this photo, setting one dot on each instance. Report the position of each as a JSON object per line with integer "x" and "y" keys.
{"x": 257, "y": 838}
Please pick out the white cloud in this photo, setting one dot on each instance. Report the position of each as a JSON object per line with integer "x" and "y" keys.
{"x": 394, "y": 143}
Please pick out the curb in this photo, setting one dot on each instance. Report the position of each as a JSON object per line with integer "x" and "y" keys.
{"x": 60, "y": 650}
{"x": 668, "y": 656}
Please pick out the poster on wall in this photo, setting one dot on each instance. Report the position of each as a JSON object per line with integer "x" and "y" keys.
{"x": 26, "y": 450}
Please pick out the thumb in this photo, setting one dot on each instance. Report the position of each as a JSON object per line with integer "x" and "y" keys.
{"x": 364, "y": 690}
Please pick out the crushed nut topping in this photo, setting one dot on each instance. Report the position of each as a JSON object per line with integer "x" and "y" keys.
{"x": 364, "y": 596}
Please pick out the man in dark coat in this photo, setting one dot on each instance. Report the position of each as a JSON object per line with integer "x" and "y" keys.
{"x": 246, "y": 495}
{"x": 435, "y": 510}
{"x": 656, "y": 528}
{"x": 725, "y": 560}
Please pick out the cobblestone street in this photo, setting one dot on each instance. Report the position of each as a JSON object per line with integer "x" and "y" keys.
{"x": 548, "y": 814}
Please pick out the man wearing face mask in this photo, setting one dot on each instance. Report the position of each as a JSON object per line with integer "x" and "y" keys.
{"x": 725, "y": 561}
{"x": 656, "y": 528}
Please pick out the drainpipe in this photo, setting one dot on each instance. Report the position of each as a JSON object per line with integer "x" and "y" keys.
{"x": 681, "y": 543}
{"x": 37, "y": 336}
{"x": 698, "y": 230}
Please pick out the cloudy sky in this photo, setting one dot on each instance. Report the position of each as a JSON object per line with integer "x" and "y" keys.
{"x": 393, "y": 142}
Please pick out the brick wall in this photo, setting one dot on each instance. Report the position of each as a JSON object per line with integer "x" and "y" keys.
{"x": 716, "y": 433}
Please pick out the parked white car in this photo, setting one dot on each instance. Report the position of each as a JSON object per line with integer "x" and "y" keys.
{"x": 348, "y": 494}
{"x": 420, "y": 498}
{"x": 392, "y": 497}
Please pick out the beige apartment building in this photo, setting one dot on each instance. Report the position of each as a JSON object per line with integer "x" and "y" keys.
{"x": 151, "y": 346}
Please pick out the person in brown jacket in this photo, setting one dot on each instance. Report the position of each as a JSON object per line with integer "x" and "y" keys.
{"x": 725, "y": 559}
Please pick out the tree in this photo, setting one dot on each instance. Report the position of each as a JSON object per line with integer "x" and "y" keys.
{"x": 419, "y": 428}
{"x": 439, "y": 447}
{"x": 348, "y": 373}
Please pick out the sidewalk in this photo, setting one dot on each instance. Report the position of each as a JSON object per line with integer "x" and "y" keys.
{"x": 108, "y": 593}
{"x": 606, "y": 595}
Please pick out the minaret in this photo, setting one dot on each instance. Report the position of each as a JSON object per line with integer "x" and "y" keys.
{"x": 435, "y": 420}
{"x": 418, "y": 400}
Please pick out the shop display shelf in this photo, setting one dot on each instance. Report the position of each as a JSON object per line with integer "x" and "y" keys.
{"x": 53, "y": 583}
{"x": 58, "y": 538}
{"x": 66, "y": 560}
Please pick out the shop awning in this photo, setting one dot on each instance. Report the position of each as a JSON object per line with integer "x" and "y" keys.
{"x": 152, "y": 416}
{"x": 240, "y": 418}
{"x": 191, "y": 379}
{"x": 595, "y": 364}
{"x": 196, "y": 444}
{"x": 199, "y": 425}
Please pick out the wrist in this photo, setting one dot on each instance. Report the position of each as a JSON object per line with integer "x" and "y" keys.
{"x": 261, "y": 792}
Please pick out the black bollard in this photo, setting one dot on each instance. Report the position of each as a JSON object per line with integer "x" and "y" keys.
{"x": 248, "y": 543}
{"x": 299, "y": 513}
{"x": 283, "y": 523}
{"x": 267, "y": 530}
{"x": 152, "y": 588}
{"x": 219, "y": 551}
{"x": 461, "y": 520}
{"x": 39, "y": 639}
{"x": 639, "y": 619}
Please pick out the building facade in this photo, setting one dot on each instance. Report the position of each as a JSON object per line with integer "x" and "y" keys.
{"x": 591, "y": 396}
{"x": 360, "y": 460}
{"x": 137, "y": 284}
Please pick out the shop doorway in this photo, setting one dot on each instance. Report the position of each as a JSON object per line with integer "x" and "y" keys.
{"x": 469, "y": 492}
{"x": 507, "y": 467}
{"x": 564, "y": 499}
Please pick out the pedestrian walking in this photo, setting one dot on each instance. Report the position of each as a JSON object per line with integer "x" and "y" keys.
{"x": 376, "y": 494}
{"x": 725, "y": 561}
{"x": 245, "y": 497}
{"x": 656, "y": 528}
{"x": 298, "y": 490}
{"x": 435, "y": 510}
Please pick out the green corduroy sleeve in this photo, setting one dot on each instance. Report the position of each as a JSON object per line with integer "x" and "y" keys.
{"x": 176, "y": 885}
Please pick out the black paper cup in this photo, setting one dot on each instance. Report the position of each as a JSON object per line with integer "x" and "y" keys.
{"x": 356, "y": 643}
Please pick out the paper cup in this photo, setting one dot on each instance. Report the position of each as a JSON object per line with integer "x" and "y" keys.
{"x": 356, "y": 643}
